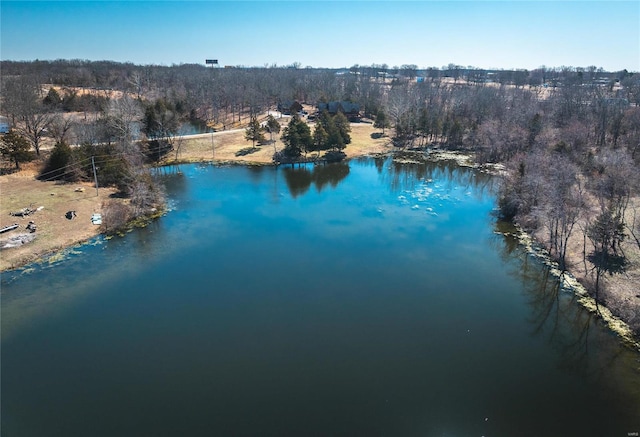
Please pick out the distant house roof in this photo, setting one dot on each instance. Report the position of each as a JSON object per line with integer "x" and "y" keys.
{"x": 342, "y": 106}
{"x": 288, "y": 105}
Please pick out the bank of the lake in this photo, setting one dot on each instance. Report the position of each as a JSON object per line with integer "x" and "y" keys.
{"x": 619, "y": 302}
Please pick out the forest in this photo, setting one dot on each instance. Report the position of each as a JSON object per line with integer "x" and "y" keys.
{"x": 568, "y": 138}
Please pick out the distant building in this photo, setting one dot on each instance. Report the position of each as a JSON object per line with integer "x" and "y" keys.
{"x": 349, "y": 109}
{"x": 4, "y": 125}
{"x": 287, "y": 107}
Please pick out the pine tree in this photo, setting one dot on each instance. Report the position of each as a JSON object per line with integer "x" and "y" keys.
{"x": 343, "y": 129}
{"x": 16, "y": 148}
{"x": 254, "y": 132}
{"x": 382, "y": 121}
{"x": 320, "y": 138}
{"x": 296, "y": 137}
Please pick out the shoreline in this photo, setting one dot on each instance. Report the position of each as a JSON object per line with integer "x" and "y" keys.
{"x": 531, "y": 245}
{"x": 569, "y": 282}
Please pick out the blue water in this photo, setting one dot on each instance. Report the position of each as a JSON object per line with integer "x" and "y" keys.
{"x": 366, "y": 298}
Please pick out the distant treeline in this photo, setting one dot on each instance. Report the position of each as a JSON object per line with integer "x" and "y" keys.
{"x": 110, "y": 74}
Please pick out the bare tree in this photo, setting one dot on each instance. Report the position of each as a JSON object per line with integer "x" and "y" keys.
{"x": 22, "y": 100}
{"x": 614, "y": 180}
{"x": 123, "y": 116}
{"x": 60, "y": 127}
{"x": 402, "y": 107}
{"x": 136, "y": 81}
{"x": 563, "y": 205}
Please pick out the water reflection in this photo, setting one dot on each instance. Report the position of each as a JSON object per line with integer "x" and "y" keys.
{"x": 582, "y": 344}
{"x": 402, "y": 176}
{"x": 256, "y": 172}
{"x": 173, "y": 178}
{"x": 299, "y": 179}
{"x": 330, "y": 174}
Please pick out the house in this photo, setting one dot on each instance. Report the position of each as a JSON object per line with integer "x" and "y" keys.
{"x": 349, "y": 109}
{"x": 4, "y": 125}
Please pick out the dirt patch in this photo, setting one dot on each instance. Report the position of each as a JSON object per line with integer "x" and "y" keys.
{"x": 51, "y": 201}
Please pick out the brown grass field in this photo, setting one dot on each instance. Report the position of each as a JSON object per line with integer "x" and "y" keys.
{"x": 224, "y": 146}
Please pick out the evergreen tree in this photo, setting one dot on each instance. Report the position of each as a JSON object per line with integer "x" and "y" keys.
{"x": 160, "y": 120}
{"x": 337, "y": 129}
{"x": 52, "y": 98}
{"x": 382, "y": 121}
{"x": 320, "y": 138}
{"x": 16, "y": 148}
{"x": 58, "y": 164}
{"x": 253, "y": 132}
{"x": 343, "y": 129}
{"x": 296, "y": 137}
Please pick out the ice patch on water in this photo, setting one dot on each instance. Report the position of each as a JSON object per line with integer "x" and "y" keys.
{"x": 172, "y": 205}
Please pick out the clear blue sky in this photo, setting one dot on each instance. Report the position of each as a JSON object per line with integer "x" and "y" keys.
{"x": 485, "y": 34}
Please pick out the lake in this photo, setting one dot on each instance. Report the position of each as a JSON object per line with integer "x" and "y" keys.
{"x": 368, "y": 298}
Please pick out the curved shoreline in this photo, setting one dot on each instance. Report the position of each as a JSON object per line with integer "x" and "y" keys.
{"x": 534, "y": 248}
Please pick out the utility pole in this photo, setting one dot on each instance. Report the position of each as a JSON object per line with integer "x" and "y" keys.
{"x": 95, "y": 175}
{"x": 214, "y": 64}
